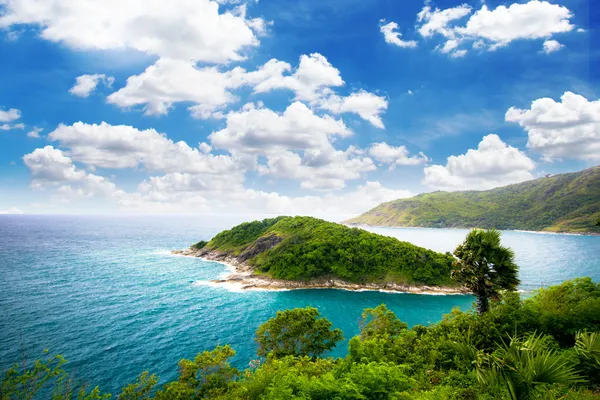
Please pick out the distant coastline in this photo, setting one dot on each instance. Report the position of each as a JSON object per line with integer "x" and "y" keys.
{"x": 243, "y": 277}
{"x": 357, "y": 225}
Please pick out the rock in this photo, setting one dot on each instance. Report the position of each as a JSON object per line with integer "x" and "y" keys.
{"x": 261, "y": 245}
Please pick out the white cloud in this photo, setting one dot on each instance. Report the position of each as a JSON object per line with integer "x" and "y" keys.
{"x": 550, "y": 46}
{"x": 8, "y": 127}
{"x": 393, "y": 156}
{"x": 391, "y": 36}
{"x": 182, "y": 29}
{"x": 313, "y": 81}
{"x": 318, "y": 169}
{"x": 532, "y": 20}
{"x": 195, "y": 193}
{"x": 12, "y": 211}
{"x": 492, "y": 29}
{"x": 437, "y": 21}
{"x": 9, "y": 115}
{"x": 49, "y": 167}
{"x": 367, "y": 105}
{"x": 86, "y": 84}
{"x": 35, "y": 132}
{"x": 122, "y": 146}
{"x": 263, "y": 131}
{"x": 569, "y": 129}
{"x": 183, "y": 194}
{"x": 169, "y": 81}
{"x": 493, "y": 164}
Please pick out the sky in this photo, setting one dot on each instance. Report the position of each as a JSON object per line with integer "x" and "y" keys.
{"x": 288, "y": 107}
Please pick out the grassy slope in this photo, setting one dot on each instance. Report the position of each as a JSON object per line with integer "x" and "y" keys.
{"x": 314, "y": 248}
{"x": 561, "y": 203}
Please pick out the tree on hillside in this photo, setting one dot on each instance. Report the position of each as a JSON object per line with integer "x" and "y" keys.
{"x": 485, "y": 267}
{"x": 297, "y": 332}
{"x": 598, "y": 222}
{"x": 380, "y": 322}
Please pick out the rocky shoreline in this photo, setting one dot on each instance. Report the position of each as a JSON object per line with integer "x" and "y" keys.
{"x": 245, "y": 278}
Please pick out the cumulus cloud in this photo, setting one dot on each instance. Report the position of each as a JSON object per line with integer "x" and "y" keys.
{"x": 391, "y": 36}
{"x": 367, "y": 105}
{"x": 532, "y": 20}
{"x": 170, "y": 80}
{"x": 182, "y": 29}
{"x": 121, "y": 146}
{"x": 436, "y": 21}
{"x": 317, "y": 169}
{"x": 314, "y": 81}
{"x": 569, "y": 129}
{"x": 394, "y": 156}
{"x": 259, "y": 130}
{"x": 9, "y": 115}
{"x": 86, "y": 84}
{"x": 492, "y": 164}
{"x": 177, "y": 192}
{"x": 493, "y": 28}
{"x": 7, "y": 119}
{"x": 49, "y": 167}
{"x": 550, "y": 46}
{"x": 35, "y": 132}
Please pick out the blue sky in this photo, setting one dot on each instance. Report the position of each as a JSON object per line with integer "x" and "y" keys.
{"x": 305, "y": 107}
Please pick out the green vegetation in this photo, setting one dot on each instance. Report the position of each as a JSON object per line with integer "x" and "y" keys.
{"x": 200, "y": 245}
{"x": 485, "y": 267}
{"x": 301, "y": 248}
{"x": 299, "y": 332}
{"x": 560, "y": 203}
{"x": 541, "y": 347}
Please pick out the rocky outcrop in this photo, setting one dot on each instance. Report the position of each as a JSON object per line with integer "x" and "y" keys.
{"x": 261, "y": 245}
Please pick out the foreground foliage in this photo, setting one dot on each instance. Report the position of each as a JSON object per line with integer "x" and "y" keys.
{"x": 560, "y": 203}
{"x": 301, "y": 248}
{"x": 546, "y": 347}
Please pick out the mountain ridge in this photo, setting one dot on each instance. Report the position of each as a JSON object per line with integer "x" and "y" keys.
{"x": 567, "y": 203}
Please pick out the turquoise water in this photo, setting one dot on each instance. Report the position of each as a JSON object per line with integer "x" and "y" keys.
{"x": 105, "y": 293}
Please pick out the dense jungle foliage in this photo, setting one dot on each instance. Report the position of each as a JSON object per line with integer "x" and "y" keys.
{"x": 300, "y": 248}
{"x": 545, "y": 346}
{"x": 559, "y": 203}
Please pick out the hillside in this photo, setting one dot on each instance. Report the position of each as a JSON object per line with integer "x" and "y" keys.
{"x": 305, "y": 248}
{"x": 560, "y": 203}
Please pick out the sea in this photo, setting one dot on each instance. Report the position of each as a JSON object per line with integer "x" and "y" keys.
{"x": 105, "y": 292}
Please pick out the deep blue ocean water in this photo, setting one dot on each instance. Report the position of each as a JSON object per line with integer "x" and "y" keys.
{"x": 105, "y": 293}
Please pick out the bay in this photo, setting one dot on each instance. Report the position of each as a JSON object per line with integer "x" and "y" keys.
{"x": 105, "y": 292}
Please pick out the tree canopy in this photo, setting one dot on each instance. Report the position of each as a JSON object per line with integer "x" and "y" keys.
{"x": 297, "y": 332}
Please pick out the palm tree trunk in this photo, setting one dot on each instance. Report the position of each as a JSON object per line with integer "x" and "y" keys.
{"x": 483, "y": 304}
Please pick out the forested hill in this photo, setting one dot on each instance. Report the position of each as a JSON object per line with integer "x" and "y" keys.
{"x": 559, "y": 203}
{"x": 302, "y": 248}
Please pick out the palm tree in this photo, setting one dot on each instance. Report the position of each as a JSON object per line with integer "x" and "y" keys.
{"x": 522, "y": 366}
{"x": 485, "y": 267}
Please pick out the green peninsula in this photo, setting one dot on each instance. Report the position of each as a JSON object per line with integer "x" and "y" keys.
{"x": 295, "y": 252}
{"x": 560, "y": 203}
